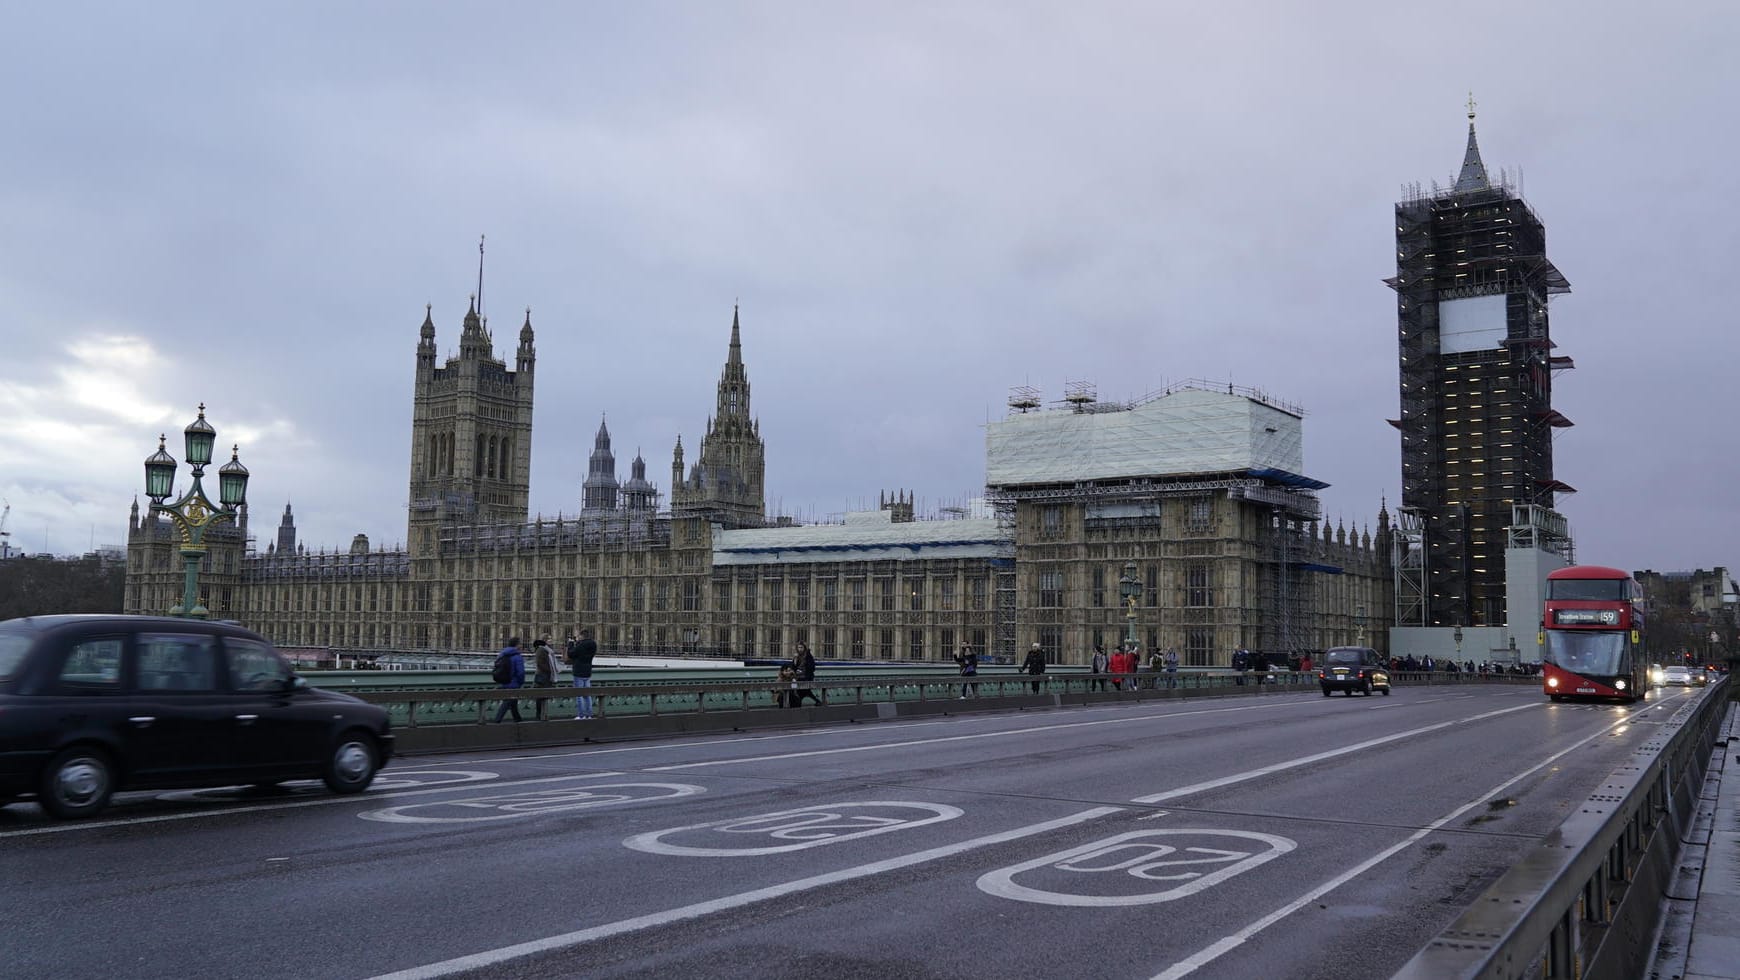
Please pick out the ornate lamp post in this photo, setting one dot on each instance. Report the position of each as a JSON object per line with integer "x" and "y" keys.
{"x": 1129, "y": 590}
{"x": 194, "y": 512}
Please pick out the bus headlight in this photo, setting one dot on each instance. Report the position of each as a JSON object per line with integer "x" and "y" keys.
{"x": 1619, "y": 685}
{"x": 1552, "y": 682}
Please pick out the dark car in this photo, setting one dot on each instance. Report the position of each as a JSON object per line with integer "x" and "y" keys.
{"x": 90, "y": 705}
{"x": 1353, "y": 669}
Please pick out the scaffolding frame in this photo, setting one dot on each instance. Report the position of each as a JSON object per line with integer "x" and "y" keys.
{"x": 1462, "y": 411}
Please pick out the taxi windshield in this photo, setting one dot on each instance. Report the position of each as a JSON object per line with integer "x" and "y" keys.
{"x": 1343, "y": 657}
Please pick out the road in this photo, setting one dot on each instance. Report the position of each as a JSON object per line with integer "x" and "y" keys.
{"x": 1285, "y": 836}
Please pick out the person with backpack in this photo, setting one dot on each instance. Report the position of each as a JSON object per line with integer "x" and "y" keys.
{"x": 509, "y": 673}
{"x": 581, "y": 651}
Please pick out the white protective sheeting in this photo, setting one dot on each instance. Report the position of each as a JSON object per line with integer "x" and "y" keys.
{"x": 1471, "y": 323}
{"x": 866, "y": 536}
{"x": 1189, "y": 431}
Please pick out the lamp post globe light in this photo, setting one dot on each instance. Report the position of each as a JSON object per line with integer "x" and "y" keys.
{"x": 194, "y": 512}
{"x": 1129, "y": 590}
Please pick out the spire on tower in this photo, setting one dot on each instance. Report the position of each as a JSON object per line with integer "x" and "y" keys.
{"x": 1473, "y": 175}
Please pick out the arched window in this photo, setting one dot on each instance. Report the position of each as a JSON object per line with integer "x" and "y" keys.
{"x": 477, "y": 458}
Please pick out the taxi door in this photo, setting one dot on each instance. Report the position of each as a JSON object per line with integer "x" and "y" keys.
{"x": 178, "y": 726}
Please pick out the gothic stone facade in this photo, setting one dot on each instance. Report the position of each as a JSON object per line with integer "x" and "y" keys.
{"x": 708, "y": 575}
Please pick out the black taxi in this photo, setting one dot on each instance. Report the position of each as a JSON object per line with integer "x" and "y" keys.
{"x": 95, "y": 704}
{"x": 1353, "y": 669}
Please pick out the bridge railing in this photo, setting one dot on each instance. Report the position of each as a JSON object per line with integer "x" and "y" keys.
{"x": 1583, "y": 902}
{"x": 454, "y": 718}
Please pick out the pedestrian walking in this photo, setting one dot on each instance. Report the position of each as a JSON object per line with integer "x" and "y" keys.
{"x": 581, "y": 650}
{"x": 969, "y": 663}
{"x": 545, "y": 667}
{"x": 1034, "y": 665}
{"x": 1098, "y": 668}
{"x": 1171, "y": 662}
{"x": 509, "y": 673}
{"x": 805, "y": 667}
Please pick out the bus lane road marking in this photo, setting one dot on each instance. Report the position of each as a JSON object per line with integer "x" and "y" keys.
{"x": 795, "y": 830}
{"x": 1125, "y": 869}
{"x": 370, "y": 796}
{"x": 493, "y": 957}
{"x": 1232, "y": 941}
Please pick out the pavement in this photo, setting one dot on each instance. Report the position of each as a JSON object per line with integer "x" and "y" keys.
{"x": 1705, "y": 898}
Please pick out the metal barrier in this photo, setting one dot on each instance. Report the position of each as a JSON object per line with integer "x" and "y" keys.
{"x": 457, "y": 719}
{"x": 1583, "y": 903}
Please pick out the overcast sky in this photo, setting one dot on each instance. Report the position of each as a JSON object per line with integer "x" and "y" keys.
{"x": 918, "y": 206}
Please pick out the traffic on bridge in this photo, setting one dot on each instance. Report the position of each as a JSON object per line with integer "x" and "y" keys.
{"x": 1288, "y": 835}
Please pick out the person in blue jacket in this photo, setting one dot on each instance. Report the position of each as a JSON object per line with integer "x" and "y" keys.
{"x": 510, "y": 672}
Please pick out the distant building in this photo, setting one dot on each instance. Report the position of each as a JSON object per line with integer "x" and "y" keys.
{"x": 1695, "y": 613}
{"x": 1477, "y": 362}
{"x": 1202, "y": 491}
{"x": 1229, "y": 545}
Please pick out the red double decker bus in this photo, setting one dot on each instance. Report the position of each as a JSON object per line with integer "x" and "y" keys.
{"x": 1592, "y": 635}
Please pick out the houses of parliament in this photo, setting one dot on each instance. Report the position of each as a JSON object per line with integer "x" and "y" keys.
{"x": 1199, "y": 551}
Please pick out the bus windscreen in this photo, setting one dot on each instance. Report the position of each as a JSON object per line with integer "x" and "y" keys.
{"x": 1589, "y": 654}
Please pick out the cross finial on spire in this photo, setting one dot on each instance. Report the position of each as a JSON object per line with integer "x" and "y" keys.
{"x": 480, "y": 275}
{"x": 1470, "y": 106}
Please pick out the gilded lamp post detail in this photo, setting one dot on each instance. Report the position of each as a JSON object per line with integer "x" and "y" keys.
{"x": 194, "y": 512}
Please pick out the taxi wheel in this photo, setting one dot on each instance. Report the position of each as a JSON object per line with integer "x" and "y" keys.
{"x": 1367, "y": 690}
{"x": 1386, "y": 690}
{"x": 1326, "y": 692}
{"x": 77, "y": 783}
{"x": 352, "y": 765}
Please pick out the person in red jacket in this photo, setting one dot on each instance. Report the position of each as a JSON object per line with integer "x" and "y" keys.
{"x": 1123, "y": 662}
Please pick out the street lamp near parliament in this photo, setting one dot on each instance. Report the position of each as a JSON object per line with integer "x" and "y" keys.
{"x": 1129, "y": 589}
{"x": 194, "y": 512}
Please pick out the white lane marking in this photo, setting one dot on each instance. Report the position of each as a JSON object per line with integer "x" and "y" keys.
{"x": 810, "y": 826}
{"x": 230, "y": 794}
{"x": 1173, "y": 794}
{"x": 369, "y": 797}
{"x": 515, "y": 805}
{"x": 1232, "y": 941}
{"x": 1062, "y": 726}
{"x": 492, "y": 957}
{"x": 1139, "y": 855}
